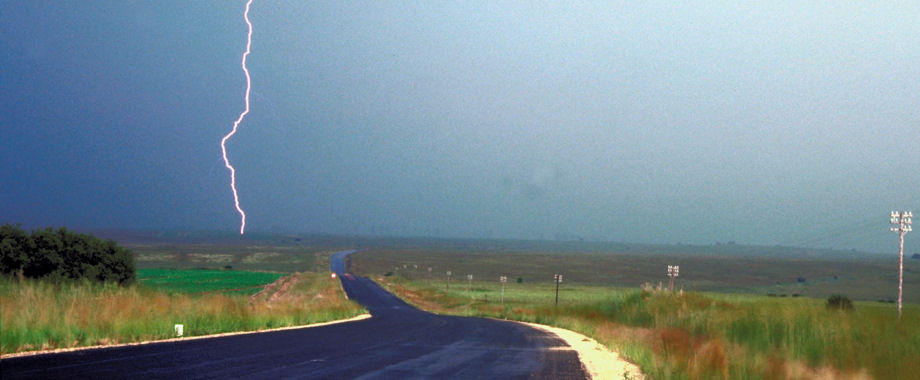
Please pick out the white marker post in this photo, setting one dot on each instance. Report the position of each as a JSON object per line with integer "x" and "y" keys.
{"x": 448, "y": 281}
{"x": 469, "y": 285}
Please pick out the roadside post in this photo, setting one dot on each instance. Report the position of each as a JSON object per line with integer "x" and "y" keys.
{"x": 503, "y": 280}
{"x": 448, "y": 281}
{"x": 558, "y": 279}
{"x": 429, "y": 276}
{"x": 469, "y": 285}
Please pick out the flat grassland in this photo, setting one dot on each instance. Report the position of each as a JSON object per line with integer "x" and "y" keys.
{"x": 741, "y": 331}
{"x": 40, "y": 315}
{"x": 866, "y": 278}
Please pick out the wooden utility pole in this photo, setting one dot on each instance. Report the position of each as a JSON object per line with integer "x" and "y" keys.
{"x": 672, "y": 273}
{"x": 558, "y": 279}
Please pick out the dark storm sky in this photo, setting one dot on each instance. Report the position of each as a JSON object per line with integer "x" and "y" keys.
{"x": 761, "y": 122}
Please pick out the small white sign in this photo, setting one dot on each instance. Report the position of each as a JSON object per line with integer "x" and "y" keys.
{"x": 179, "y": 330}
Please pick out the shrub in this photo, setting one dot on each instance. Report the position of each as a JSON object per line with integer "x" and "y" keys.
{"x": 839, "y": 302}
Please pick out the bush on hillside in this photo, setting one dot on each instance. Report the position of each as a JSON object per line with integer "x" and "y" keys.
{"x": 62, "y": 254}
{"x": 839, "y": 302}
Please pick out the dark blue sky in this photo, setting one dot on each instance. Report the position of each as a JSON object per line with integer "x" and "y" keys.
{"x": 791, "y": 123}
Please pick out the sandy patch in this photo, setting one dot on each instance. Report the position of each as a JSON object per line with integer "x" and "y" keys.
{"x": 599, "y": 361}
{"x": 210, "y": 257}
{"x": 259, "y": 257}
{"x": 29, "y": 353}
{"x": 154, "y": 257}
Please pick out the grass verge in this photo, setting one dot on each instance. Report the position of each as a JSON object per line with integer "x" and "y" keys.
{"x": 38, "y": 315}
{"x": 674, "y": 335}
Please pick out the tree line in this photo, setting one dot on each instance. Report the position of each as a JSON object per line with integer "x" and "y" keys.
{"x": 62, "y": 254}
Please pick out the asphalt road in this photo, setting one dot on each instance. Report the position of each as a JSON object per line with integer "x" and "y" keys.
{"x": 399, "y": 341}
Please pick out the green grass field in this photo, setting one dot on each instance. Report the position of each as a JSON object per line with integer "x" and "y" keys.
{"x": 39, "y": 315}
{"x": 217, "y": 256}
{"x": 205, "y": 282}
{"x": 672, "y": 334}
{"x": 866, "y": 278}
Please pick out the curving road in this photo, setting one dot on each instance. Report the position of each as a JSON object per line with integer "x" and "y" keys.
{"x": 399, "y": 341}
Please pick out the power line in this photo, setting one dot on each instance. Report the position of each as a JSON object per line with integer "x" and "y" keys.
{"x": 859, "y": 227}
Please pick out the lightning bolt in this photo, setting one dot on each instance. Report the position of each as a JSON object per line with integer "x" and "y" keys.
{"x": 236, "y": 124}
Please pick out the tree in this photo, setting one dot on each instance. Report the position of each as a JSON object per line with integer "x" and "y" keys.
{"x": 63, "y": 254}
{"x": 14, "y": 247}
{"x": 45, "y": 260}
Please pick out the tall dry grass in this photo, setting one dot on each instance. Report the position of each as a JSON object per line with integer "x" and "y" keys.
{"x": 38, "y": 315}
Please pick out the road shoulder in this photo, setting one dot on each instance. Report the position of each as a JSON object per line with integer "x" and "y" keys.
{"x": 598, "y": 360}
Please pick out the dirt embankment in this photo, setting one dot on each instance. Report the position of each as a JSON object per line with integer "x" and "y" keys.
{"x": 277, "y": 290}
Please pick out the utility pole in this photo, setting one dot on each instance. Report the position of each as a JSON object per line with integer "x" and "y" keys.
{"x": 558, "y": 279}
{"x": 503, "y": 280}
{"x": 469, "y": 284}
{"x": 901, "y": 222}
{"x": 672, "y": 273}
{"x": 448, "y": 281}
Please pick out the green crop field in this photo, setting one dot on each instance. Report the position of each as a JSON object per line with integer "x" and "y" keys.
{"x": 205, "y": 281}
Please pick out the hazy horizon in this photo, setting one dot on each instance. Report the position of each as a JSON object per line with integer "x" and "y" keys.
{"x": 792, "y": 123}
